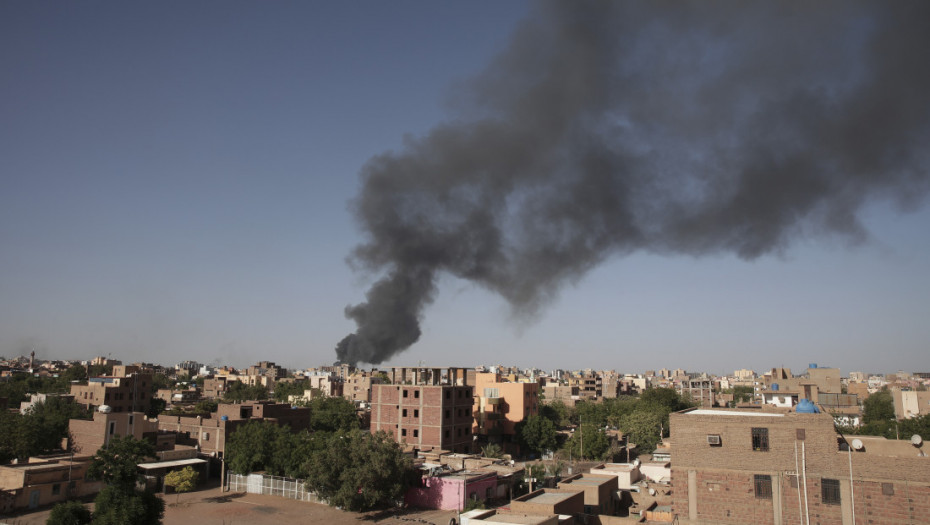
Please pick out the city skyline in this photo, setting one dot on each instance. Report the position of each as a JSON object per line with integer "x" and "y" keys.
{"x": 178, "y": 183}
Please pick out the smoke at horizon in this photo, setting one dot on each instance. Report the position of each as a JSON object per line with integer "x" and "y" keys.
{"x": 606, "y": 128}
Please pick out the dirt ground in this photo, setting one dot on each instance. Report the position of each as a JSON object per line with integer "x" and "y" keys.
{"x": 212, "y": 507}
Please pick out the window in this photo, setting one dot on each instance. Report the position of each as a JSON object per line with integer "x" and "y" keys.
{"x": 763, "y": 486}
{"x": 405, "y": 393}
{"x": 112, "y": 427}
{"x": 56, "y": 489}
{"x": 447, "y": 433}
{"x": 448, "y": 413}
{"x": 403, "y": 431}
{"x": 416, "y": 433}
{"x": 416, "y": 413}
{"x": 448, "y": 394}
{"x": 888, "y": 489}
{"x": 760, "y": 439}
{"x": 404, "y": 413}
{"x": 416, "y": 394}
{"x": 830, "y": 491}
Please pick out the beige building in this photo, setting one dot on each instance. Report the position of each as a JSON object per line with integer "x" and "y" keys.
{"x": 910, "y": 403}
{"x": 45, "y": 481}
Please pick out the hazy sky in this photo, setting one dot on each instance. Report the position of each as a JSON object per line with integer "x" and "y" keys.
{"x": 176, "y": 181}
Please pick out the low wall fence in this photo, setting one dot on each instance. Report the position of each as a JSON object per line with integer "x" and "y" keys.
{"x": 271, "y": 486}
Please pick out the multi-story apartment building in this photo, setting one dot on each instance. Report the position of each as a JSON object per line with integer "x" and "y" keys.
{"x": 425, "y": 409}
{"x": 780, "y": 467}
{"x": 127, "y": 390}
{"x": 357, "y": 387}
{"x": 500, "y": 405}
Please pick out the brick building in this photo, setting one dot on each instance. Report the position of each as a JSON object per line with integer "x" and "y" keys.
{"x": 783, "y": 467}
{"x": 425, "y": 409}
{"x": 88, "y": 436}
{"x": 209, "y": 434}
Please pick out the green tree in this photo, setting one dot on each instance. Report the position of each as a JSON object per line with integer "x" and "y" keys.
{"x": 156, "y": 406}
{"x": 49, "y": 421}
{"x": 75, "y": 373}
{"x": 331, "y": 414}
{"x": 537, "y": 434}
{"x": 206, "y": 406}
{"x": 878, "y": 407}
{"x": 117, "y": 506}
{"x": 119, "y": 503}
{"x": 556, "y": 412}
{"x": 69, "y": 513}
{"x": 359, "y": 471}
{"x": 116, "y": 462}
{"x": 184, "y": 480}
{"x": 642, "y": 427}
{"x": 252, "y": 447}
{"x": 588, "y": 442}
{"x": 492, "y": 450}
{"x": 284, "y": 389}
{"x": 743, "y": 394}
{"x": 237, "y": 392}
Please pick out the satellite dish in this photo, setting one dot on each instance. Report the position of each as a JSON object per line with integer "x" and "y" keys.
{"x": 636, "y": 462}
{"x": 857, "y": 444}
{"x": 104, "y": 409}
{"x": 916, "y": 440}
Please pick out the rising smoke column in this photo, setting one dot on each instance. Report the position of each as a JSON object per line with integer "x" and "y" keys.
{"x": 677, "y": 128}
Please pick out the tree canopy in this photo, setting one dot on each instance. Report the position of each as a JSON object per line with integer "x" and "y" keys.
{"x": 537, "y": 434}
{"x": 332, "y": 414}
{"x": 115, "y": 463}
{"x": 237, "y": 392}
{"x": 359, "y": 471}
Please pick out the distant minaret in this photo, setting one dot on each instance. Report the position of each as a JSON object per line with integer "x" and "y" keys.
{"x": 32, "y": 358}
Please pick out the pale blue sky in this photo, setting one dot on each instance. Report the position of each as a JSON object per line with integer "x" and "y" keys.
{"x": 174, "y": 182}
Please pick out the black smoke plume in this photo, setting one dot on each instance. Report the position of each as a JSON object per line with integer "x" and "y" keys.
{"x": 672, "y": 127}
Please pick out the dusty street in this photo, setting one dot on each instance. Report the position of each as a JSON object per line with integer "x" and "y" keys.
{"x": 211, "y": 507}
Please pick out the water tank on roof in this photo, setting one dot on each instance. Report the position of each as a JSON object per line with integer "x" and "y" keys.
{"x": 774, "y": 387}
{"x": 224, "y": 418}
{"x": 812, "y": 365}
{"x": 104, "y": 409}
{"x": 806, "y": 406}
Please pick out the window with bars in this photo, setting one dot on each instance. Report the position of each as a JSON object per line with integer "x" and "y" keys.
{"x": 830, "y": 491}
{"x": 763, "y": 486}
{"x": 760, "y": 439}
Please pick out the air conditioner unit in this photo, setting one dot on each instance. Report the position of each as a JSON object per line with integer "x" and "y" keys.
{"x": 713, "y": 439}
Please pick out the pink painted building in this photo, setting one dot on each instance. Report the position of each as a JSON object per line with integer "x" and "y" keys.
{"x": 449, "y": 490}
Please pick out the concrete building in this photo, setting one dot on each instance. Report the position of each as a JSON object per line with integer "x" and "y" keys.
{"x": 127, "y": 390}
{"x": 546, "y": 502}
{"x": 600, "y": 492}
{"x": 910, "y": 403}
{"x": 445, "y": 490}
{"x": 500, "y": 405}
{"x": 45, "y": 481}
{"x": 357, "y": 387}
{"x": 88, "y": 436}
{"x": 783, "y": 467}
{"x": 426, "y": 408}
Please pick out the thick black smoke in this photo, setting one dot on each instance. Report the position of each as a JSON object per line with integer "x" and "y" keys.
{"x": 676, "y": 128}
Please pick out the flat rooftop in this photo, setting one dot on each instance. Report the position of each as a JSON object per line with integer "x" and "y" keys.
{"x": 717, "y": 412}
{"x": 551, "y": 498}
{"x": 519, "y": 519}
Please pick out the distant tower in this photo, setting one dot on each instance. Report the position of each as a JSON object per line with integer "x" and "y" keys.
{"x": 32, "y": 358}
